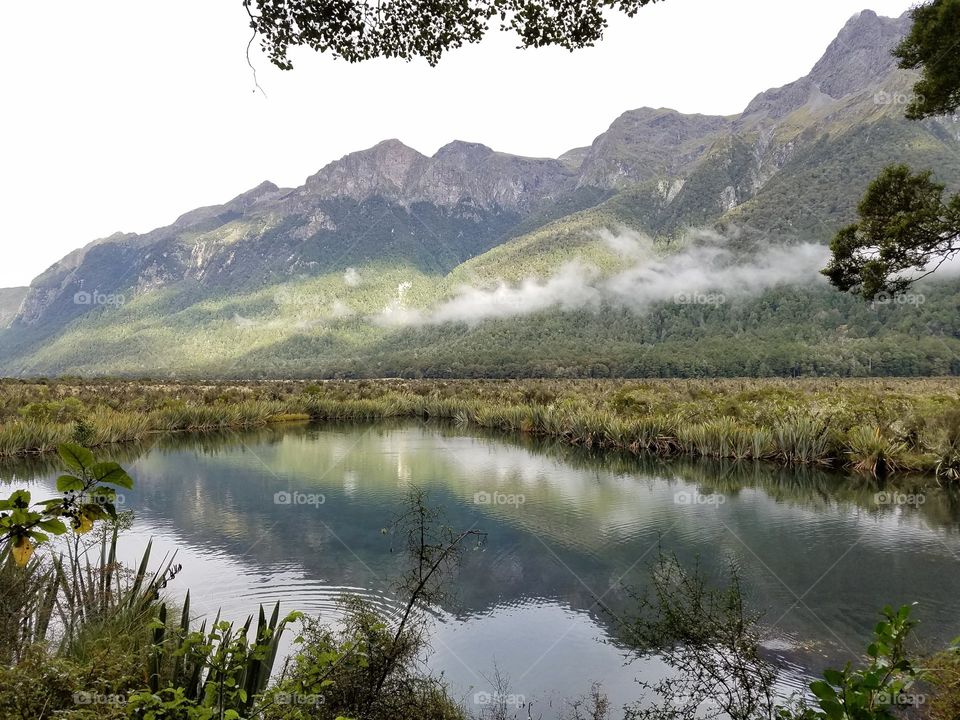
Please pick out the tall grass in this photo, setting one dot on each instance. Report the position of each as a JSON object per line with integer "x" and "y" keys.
{"x": 790, "y": 422}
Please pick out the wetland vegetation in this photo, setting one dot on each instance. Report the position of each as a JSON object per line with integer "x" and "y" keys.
{"x": 881, "y": 427}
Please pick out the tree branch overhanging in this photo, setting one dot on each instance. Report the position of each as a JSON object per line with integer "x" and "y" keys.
{"x": 358, "y": 30}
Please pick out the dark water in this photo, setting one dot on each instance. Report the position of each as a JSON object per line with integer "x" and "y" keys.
{"x": 818, "y": 553}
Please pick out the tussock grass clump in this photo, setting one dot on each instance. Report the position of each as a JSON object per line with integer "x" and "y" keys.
{"x": 872, "y": 452}
{"x": 801, "y": 440}
{"x": 33, "y": 436}
{"x": 720, "y": 438}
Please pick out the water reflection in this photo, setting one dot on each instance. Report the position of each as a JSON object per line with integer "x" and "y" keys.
{"x": 565, "y": 526}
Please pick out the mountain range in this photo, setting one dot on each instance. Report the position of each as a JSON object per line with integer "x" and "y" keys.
{"x": 675, "y": 244}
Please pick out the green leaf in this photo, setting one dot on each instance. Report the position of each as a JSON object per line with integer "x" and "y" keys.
{"x": 95, "y": 511}
{"x": 111, "y": 472}
{"x": 833, "y": 709}
{"x": 69, "y": 483}
{"x": 823, "y": 690}
{"x": 75, "y": 457}
{"x": 103, "y": 494}
{"x": 53, "y": 525}
{"x": 834, "y": 677}
{"x": 19, "y": 498}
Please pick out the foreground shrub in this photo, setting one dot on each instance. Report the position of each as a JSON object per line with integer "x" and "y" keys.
{"x": 360, "y": 670}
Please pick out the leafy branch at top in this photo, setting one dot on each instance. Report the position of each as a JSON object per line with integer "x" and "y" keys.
{"x": 358, "y": 30}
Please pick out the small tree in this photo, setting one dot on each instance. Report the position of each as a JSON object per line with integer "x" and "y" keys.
{"x": 712, "y": 643}
{"x": 906, "y": 231}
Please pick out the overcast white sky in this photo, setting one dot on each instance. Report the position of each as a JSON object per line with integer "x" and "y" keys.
{"x": 121, "y": 114}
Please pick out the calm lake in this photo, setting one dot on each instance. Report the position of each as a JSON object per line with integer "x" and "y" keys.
{"x": 295, "y": 514}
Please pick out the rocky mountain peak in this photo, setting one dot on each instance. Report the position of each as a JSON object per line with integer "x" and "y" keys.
{"x": 385, "y": 169}
{"x": 462, "y": 153}
{"x": 858, "y": 58}
{"x": 860, "y": 55}
{"x": 648, "y": 142}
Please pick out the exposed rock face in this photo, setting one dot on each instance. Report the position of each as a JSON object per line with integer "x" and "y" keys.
{"x": 779, "y": 102}
{"x": 645, "y": 144}
{"x": 390, "y": 202}
{"x": 387, "y": 170}
{"x": 215, "y": 215}
{"x": 10, "y": 300}
{"x": 860, "y": 55}
{"x": 459, "y": 172}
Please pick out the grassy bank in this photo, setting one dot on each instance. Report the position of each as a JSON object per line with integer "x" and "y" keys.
{"x": 879, "y": 427}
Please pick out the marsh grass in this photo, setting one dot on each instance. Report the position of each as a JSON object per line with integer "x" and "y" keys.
{"x": 876, "y": 426}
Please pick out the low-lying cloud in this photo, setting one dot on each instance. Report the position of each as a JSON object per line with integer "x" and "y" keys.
{"x": 706, "y": 271}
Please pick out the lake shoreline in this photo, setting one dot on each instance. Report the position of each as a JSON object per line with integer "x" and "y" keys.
{"x": 914, "y": 429}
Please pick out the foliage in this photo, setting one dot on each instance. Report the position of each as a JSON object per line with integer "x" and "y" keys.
{"x": 712, "y": 645}
{"x": 361, "y": 669}
{"x": 359, "y": 30}
{"x": 198, "y": 675}
{"x": 932, "y": 48}
{"x": 88, "y": 495}
{"x": 27, "y": 596}
{"x": 943, "y": 676}
{"x": 877, "y": 691}
{"x": 707, "y": 636}
{"x": 905, "y": 225}
{"x": 39, "y": 683}
{"x": 885, "y": 428}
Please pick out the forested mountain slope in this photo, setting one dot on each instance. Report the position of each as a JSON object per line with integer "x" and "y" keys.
{"x": 674, "y": 244}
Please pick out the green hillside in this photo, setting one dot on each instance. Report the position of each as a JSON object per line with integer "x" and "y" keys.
{"x": 664, "y": 248}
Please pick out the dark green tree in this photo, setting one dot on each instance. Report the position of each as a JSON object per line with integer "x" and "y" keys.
{"x": 358, "y": 30}
{"x": 933, "y": 47}
{"x": 906, "y": 229}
